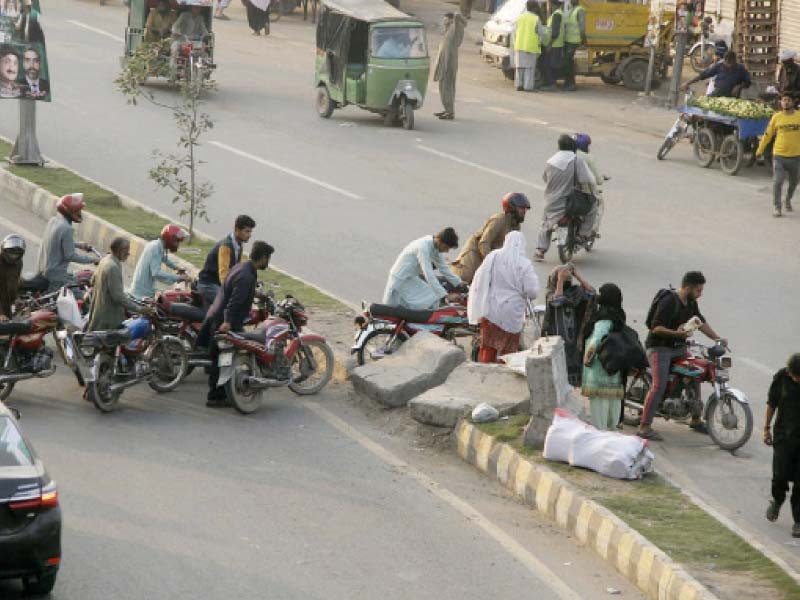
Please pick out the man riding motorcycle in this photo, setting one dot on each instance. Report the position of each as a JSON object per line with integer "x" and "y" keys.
{"x": 12, "y": 249}
{"x": 189, "y": 26}
{"x": 58, "y": 248}
{"x": 148, "y": 269}
{"x": 491, "y": 235}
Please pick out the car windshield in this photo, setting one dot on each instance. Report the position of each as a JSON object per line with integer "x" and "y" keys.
{"x": 13, "y": 451}
{"x": 399, "y": 42}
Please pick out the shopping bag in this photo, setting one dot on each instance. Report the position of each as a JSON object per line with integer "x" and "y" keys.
{"x": 68, "y": 310}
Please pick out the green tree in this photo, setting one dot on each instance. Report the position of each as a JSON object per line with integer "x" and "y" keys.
{"x": 178, "y": 171}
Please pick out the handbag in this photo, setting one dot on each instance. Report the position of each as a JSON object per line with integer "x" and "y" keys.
{"x": 622, "y": 351}
{"x": 579, "y": 203}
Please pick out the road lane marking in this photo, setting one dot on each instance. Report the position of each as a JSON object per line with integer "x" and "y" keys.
{"x": 500, "y": 110}
{"x": 517, "y": 551}
{"x": 116, "y": 38}
{"x": 287, "y": 170}
{"x": 469, "y": 100}
{"x": 502, "y": 174}
{"x": 532, "y": 121}
{"x": 754, "y": 364}
{"x": 21, "y": 231}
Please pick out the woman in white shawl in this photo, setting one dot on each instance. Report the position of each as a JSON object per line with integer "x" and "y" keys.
{"x": 497, "y": 297}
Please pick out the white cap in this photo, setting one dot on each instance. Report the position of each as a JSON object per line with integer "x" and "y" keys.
{"x": 787, "y": 55}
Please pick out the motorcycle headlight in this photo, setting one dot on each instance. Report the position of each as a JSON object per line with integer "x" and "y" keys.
{"x": 725, "y": 362}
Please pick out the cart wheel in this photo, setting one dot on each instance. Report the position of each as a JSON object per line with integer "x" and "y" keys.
{"x": 324, "y": 102}
{"x": 407, "y": 114}
{"x": 705, "y": 147}
{"x": 731, "y": 154}
{"x": 635, "y": 75}
{"x": 609, "y": 79}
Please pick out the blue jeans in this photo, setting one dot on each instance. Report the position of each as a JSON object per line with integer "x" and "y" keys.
{"x": 783, "y": 167}
{"x": 208, "y": 291}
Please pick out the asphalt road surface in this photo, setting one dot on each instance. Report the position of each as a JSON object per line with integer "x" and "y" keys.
{"x": 340, "y": 198}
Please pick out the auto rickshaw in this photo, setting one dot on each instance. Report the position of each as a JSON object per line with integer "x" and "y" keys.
{"x": 372, "y": 55}
{"x": 195, "y": 58}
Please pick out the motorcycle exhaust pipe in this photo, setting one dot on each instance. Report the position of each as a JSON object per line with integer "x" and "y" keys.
{"x": 260, "y": 383}
{"x": 14, "y": 377}
{"x": 462, "y": 332}
{"x": 199, "y": 362}
{"x": 118, "y": 387}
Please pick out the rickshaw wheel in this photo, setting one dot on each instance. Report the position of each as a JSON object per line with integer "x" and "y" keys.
{"x": 407, "y": 115}
{"x": 705, "y": 146}
{"x": 731, "y": 154}
{"x": 324, "y": 102}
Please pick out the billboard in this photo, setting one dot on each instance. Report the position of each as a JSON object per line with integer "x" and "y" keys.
{"x": 23, "y": 58}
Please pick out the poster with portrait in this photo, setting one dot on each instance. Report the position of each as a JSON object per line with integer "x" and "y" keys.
{"x": 23, "y": 58}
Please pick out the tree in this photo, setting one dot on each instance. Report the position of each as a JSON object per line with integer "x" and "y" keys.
{"x": 177, "y": 172}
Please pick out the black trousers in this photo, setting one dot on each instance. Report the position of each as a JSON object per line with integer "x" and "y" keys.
{"x": 786, "y": 469}
{"x": 213, "y": 371}
{"x": 569, "y": 63}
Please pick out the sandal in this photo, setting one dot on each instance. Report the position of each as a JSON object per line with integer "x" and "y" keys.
{"x": 650, "y": 434}
{"x": 699, "y": 427}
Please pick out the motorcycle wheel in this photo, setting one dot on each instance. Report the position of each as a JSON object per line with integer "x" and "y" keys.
{"x": 635, "y": 393}
{"x": 66, "y": 350}
{"x": 5, "y": 390}
{"x": 668, "y": 144}
{"x": 168, "y": 365}
{"x": 375, "y": 345}
{"x": 702, "y": 57}
{"x": 244, "y": 400}
{"x": 98, "y": 390}
{"x": 305, "y": 379}
{"x": 730, "y": 422}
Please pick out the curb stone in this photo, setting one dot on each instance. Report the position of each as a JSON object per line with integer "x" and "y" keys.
{"x": 636, "y": 558}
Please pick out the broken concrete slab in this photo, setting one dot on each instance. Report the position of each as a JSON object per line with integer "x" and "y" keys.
{"x": 467, "y": 386}
{"x": 421, "y": 363}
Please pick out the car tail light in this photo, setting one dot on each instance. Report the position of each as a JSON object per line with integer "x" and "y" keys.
{"x": 53, "y": 561}
{"x": 47, "y": 498}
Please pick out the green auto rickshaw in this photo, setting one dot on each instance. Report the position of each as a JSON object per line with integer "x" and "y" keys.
{"x": 372, "y": 55}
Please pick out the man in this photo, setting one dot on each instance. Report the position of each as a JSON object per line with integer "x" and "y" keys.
{"x": 159, "y": 23}
{"x": 223, "y": 256}
{"x": 32, "y": 65}
{"x": 730, "y": 77}
{"x": 562, "y": 171}
{"x": 491, "y": 235}
{"x": 789, "y": 74}
{"x": 148, "y": 269}
{"x": 554, "y": 58}
{"x": 9, "y": 70}
{"x": 784, "y": 437}
{"x": 574, "y": 38}
{"x": 219, "y": 13}
{"x": 109, "y": 300}
{"x": 784, "y": 127}
{"x": 12, "y": 249}
{"x": 412, "y": 282}
{"x": 190, "y": 25}
{"x": 229, "y": 311}
{"x": 528, "y": 32}
{"x": 447, "y": 63}
{"x": 58, "y": 248}
{"x": 583, "y": 141}
{"x": 465, "y": 8}
{"x": 667, "y": 341}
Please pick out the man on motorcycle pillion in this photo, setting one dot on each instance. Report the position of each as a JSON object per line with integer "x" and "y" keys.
{"x": 12, "y": 249}
{"x": 491, "y": 235}
{"x": 671, "y": 311}
{"x": 58, "y": 248}
{"x": 148, "y": 269}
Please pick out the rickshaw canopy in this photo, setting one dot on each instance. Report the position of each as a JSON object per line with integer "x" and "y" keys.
{"x": 367, "y": 10}
{"x": 206, "y": 3}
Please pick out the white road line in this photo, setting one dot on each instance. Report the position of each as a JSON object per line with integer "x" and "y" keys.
{"x": 535, "y": 186}
{"x": 287, "y": 170}
{"x": 29, "y": 235}
{"x": 116, "y": 38}
{"x": 500, "y": 110}
{"x": 519, "y": 552}
{"x": 532, "y": 121}
{"x": 760, "y": 367}
{"x": 469, "y": 100}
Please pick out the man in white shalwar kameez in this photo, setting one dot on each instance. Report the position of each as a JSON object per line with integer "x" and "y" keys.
{"x": 412, "y": 281}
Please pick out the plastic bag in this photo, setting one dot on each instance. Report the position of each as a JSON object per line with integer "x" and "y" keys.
{"x": 483, "y": 413}
{"x": 68, "y": 310}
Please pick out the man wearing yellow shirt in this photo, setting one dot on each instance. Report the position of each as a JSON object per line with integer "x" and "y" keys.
{"x": 784, "y": 127}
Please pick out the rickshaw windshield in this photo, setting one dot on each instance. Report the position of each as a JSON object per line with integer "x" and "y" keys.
{"x": 398, "y": 42}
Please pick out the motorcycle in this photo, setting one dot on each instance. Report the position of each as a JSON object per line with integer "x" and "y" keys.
{"x": 382, "y": 329}
{"x": 194, "y": 61}
{"x": 118, "y": 359}
{"x": 727, "y": 411}
{"x": 23, "y": 351}
{"x": 278, "y": 354}
{"x": 568, "y": 240}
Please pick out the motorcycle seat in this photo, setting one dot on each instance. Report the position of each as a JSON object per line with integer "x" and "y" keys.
{"x": 114, "y": 337}
{"x": 256, "y": 335}
{"x": 400, "y": 312}
{"x": 188, "y": 312}
{"x": 15, "y": 327}
{"x": 37, "y": 283}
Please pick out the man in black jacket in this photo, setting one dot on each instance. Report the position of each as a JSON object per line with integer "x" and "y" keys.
{"x": 222, "y": 257}
{"x": 230, "y": 310}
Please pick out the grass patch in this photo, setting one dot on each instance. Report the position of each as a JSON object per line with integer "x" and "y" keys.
{"x": 662, "y": 514}
{"x": 106, "y": 205}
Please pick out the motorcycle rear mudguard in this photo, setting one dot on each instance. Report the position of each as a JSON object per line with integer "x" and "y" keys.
{"x": 361, "y": 335}
{"x": 292, "y": 348}
{"x": 226, "y": 372}
{"x": 736, "y": 393}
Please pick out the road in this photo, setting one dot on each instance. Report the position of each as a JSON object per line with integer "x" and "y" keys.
{"x": 340, "y": 198}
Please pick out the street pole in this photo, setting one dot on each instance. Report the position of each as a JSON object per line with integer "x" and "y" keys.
{"x": 26, "y": 147}
{"x": 677, "y": 68}
{"x": 648, "y": 83}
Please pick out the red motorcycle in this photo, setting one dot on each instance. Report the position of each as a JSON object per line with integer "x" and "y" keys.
{"x": 383, "y": 329}
{"x": 278, "y": 354}
{"x": 727, "y": 411}
{"x": 22, "y": 349}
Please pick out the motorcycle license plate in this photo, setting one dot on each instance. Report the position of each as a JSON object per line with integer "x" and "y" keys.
{"x": 225, "y": 360}
{"x": 561, "y": 235}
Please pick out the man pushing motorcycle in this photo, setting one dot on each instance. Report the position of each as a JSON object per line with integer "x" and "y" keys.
{"x": 669, "y": 321}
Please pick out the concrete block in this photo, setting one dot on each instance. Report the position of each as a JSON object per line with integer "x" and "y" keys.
{"x": 423, "y": 362}
{"x": 467, "y": 386}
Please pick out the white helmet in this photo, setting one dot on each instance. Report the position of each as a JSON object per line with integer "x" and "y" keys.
{"x": 12, "y": 248}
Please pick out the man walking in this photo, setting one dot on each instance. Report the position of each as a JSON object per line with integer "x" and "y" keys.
{"x": 447, "y": 63}
{"x": 109, "y": 300}
{"x": 528, "y": 32}
{"x": 574, "y": 38}
{"x": 225, "y": 254}
{"x": 784, "y": 127}
{"x": 784, "y": 437}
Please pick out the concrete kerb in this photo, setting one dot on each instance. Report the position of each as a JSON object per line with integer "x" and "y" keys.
{"x": 636, "y": 558}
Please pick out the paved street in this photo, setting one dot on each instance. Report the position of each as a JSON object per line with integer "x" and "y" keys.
{"x": 339, "y": 199}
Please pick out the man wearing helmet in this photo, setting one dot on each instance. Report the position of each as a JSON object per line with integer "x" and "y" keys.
{"x": 58, "y": 247}
{"x": 491, "y": 235}
{"x": 12, "y": 249}
{"x": 148, "y": 269}
{"x": 583, "y": 141}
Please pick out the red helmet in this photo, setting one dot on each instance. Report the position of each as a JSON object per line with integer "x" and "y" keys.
{"x": 172, "y": 235}
{"x": 71, "y": 206}
{"x": 514, "y": 200}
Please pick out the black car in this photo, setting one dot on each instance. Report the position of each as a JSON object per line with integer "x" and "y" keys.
{"x": 30, "y": 518}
